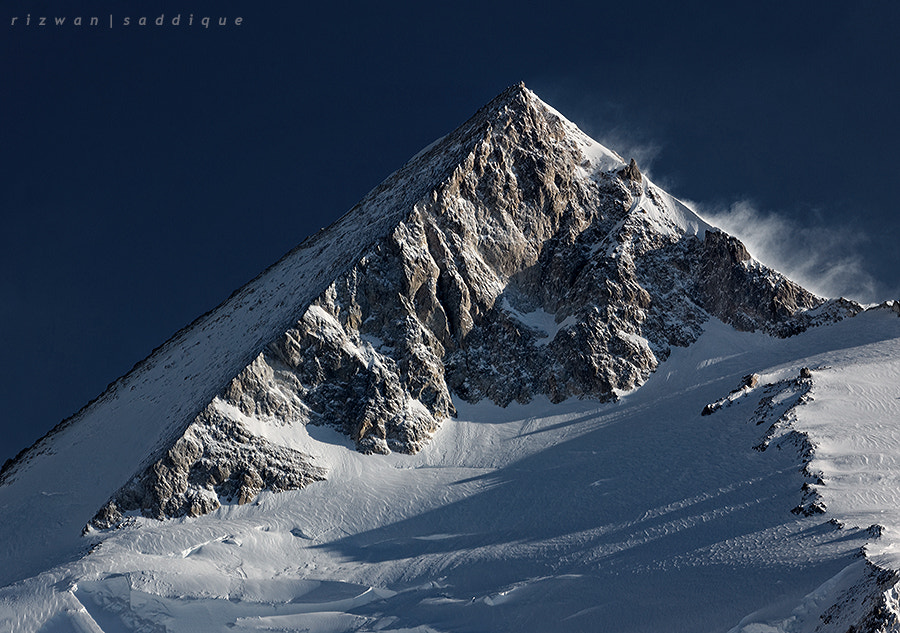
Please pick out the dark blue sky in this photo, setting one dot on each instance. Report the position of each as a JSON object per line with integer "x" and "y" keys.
{"x": 149, "y": 172}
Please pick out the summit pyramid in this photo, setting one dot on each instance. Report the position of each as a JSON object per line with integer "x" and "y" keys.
{"x": 513, "y": 258}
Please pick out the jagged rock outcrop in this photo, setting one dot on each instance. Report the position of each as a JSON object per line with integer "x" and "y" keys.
{"x": 631, "y": 172}
{"x": 539, "y": 264}
{"x": 866, "y": 606}
{"x": 777, "y": 408}
{"x": 216, "y": 460}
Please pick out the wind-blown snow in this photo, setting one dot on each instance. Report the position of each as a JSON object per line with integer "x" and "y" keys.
{"x": 673, "y": 210}
{"x": 599, "y": 158}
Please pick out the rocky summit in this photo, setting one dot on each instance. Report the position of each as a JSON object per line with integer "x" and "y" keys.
{"x": 527, "y": 260}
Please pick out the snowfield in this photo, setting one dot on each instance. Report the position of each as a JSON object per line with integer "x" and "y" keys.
{"x": 638, "y": 515}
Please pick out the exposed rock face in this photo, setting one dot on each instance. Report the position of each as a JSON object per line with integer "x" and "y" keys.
{"x": 867, "y": 606}
{"x": 216, "y": 459}
{"x": 540, "y": 265}
{"x": 631, "y": 172}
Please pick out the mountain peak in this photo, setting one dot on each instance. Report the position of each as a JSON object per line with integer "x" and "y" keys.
{"x": 516, "y": 96}
{"x": 585, "y": 326}
{"x": 515, "y": 258}
{"x": 534, "y": 263}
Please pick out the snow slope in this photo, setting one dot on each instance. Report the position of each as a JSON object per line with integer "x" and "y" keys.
{"x": 638, "y": 515}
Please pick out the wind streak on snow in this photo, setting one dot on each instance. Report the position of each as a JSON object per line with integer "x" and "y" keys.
{"x": 852, "y": 421}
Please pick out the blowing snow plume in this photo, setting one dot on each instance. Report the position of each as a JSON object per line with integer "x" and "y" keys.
{"x": 824, "y": 259}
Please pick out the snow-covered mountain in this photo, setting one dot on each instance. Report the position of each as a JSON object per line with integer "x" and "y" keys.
{"x": 518, "y": 387}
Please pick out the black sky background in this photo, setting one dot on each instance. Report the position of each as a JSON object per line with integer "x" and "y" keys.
{"x": 149, "y": 172}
